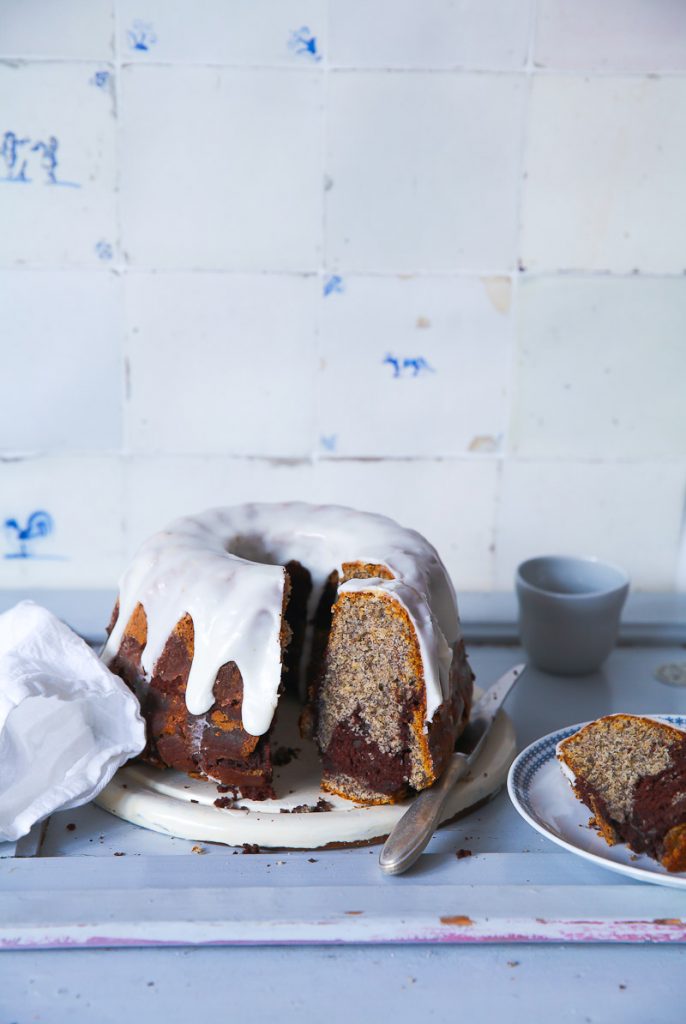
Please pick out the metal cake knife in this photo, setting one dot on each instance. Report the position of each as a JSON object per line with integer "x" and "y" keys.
{"x": 412, "y": 833}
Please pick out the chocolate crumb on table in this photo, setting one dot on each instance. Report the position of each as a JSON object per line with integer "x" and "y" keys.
{"x": 70, "y": 827}
{"x": 251, "y": 848}
{"x": 461, "y": 854}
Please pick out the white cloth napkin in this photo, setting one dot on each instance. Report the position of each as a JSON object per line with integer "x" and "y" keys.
{"x": 66, "y": 722}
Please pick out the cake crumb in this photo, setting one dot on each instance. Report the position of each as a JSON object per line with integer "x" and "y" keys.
{"x": 284, "y": 755}
{"x": 513, "y": 963}
{"x": 312, "y": 860}
{"x": 461, "y": 854}
{"x": 230, "y": 803}
{"x": 623, "y": 987}
{"x": 318, "y": 808}
{"x": 70, "y": 827}
{"x": 119, "y": 853}
{"x": 251, "y": 848}
{"x": 198, "y": 849}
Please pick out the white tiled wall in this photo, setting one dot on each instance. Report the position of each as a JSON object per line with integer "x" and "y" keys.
{"x": 426, "y": 257}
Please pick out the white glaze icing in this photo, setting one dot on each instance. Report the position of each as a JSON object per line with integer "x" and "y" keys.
{"x": 224, "y": 568}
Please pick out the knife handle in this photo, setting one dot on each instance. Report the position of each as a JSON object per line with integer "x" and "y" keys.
{"x": 411, "y": 834}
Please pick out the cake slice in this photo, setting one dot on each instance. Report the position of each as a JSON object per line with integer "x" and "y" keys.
{"x": 631, "y": 772}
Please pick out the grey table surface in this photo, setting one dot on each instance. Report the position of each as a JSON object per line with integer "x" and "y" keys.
{"x": 609, "y": 982}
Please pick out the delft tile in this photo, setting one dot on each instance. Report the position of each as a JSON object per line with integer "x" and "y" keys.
{"x": 616, "y": 35}
{"x": 68, "y": 30}
{"x": 603, "y": 188}
{"x": 57, "y": 172}
{"x": 203, "y": 189}
{"x": 451, "y": 502}
{"x": 600, "y": 369}
{"x": 432, "y": 34}
{"x": 629, "y": 513}
{"x": 61, "y": 342}
{"x": 221, "y": 363}
{"x": 416, "y": 181}
{"x": 423, "y": 362}
{"x": 206, "y": 483}
{"x": 62, "y": 522}
{"x": 271, "y": 33}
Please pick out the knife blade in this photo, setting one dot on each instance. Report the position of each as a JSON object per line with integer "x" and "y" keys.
{"x": 411, "y": 834}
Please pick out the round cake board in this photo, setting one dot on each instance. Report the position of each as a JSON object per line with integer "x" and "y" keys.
{"x": 303, "y": 816}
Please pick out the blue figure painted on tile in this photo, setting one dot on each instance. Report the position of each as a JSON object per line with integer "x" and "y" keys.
{"x": 14, "y": 160}
{"x": 414, "y": 365}
{"x": 37, "y": 162}
{"x": 333, "y": 284}
{"x": 104, "y": 250}
{"x": 48, "y": 159}
{"x": 329, "y": 442}
{"x": 100, "y": 79}
{"x": 38, "y": 524}
{"x": 141, "y": 35}
{"x": 303, "y": 44}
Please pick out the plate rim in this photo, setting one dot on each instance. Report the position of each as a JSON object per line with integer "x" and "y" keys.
{"x": 675, "y": 880}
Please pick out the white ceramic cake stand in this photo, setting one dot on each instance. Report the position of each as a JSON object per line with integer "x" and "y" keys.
{"x": 169, "y": 801}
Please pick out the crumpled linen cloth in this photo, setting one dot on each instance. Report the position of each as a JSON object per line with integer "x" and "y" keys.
{"x": 66, "y": 722}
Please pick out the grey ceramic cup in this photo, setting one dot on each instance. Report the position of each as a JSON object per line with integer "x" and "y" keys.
{"x": 569, "y": 610}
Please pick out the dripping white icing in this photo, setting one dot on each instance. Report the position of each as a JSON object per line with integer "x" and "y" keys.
{"x": 225, "y": 569}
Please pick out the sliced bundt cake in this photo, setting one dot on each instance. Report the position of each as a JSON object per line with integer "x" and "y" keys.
{"x": 631, "y": 772}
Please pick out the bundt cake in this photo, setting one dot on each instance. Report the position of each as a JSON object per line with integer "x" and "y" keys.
{"x": 222, "y": 613}
{"x": 631, "y": 773}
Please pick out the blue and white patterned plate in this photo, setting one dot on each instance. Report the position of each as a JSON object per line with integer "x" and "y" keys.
{"x": 543, "y": 796}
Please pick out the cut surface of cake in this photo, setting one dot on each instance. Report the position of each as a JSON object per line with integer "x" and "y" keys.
{"x": 222, "y": 613}
{"x": 631, "y": 772}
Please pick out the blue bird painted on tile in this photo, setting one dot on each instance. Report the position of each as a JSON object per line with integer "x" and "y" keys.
{"x": 38, "y": 524}
{"x": 416, "y": 364}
